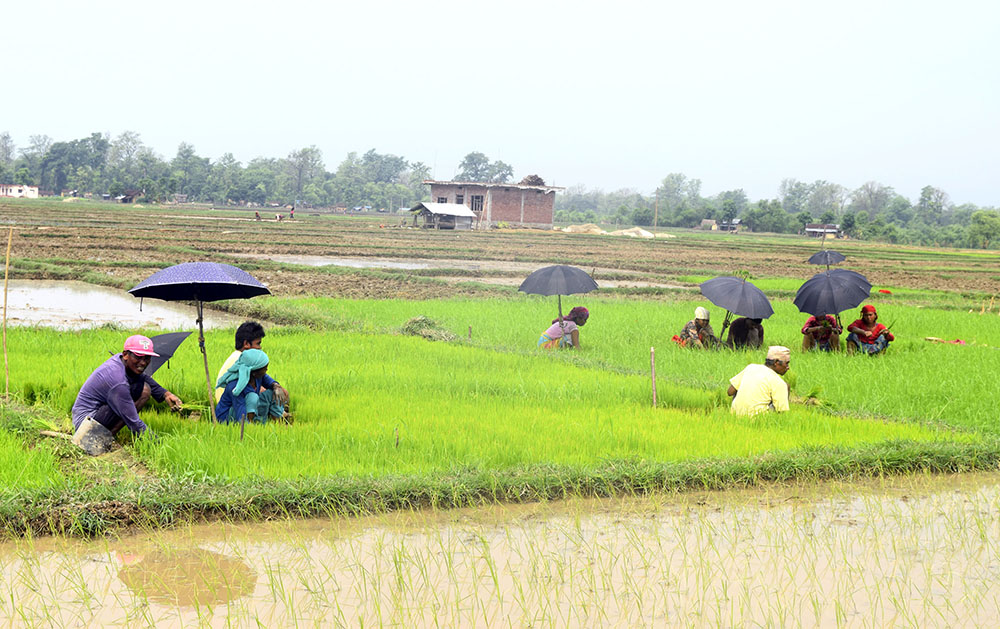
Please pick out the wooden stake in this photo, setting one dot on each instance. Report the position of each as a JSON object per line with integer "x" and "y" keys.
{"x": 652, "y": 366}
{"x": 6, "y": 270}
{"x": 470, "y": 332}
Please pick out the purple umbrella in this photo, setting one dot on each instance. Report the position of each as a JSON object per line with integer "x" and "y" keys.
{"x": 200, "y": 282}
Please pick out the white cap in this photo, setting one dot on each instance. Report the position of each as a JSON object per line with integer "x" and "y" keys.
{"x": 701, "y": 313}
{"x": 779, "y": 352}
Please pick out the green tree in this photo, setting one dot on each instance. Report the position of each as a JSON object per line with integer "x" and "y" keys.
{"x": 794, "y": 195}
{"x": 7, "y": 149}
{"x": 304, "y": 166}
{"x": 932, "y": 205}
{"x": 984, "y": 229}
{"x": 500, "y": 172}
{"x": 474, "y": 167}
{"x": 871, "y": 198}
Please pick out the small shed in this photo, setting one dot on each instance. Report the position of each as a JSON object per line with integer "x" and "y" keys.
{"x": 822, "y": 230}
{"x": 443, "y": 215}
{"x": 709, "y": 224}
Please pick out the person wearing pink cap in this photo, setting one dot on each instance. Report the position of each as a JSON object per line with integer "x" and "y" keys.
{"x": 115, "y": 391}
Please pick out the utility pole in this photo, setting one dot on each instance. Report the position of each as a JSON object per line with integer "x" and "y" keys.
{"x": 656, "y": 211}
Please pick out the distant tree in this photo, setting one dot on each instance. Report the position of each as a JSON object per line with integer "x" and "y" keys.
{"x": 7, "y": 149}
{"x": 847, "y": 223}
{"x": 871, "y": 198}
{"x": 828, "y": 217}
{"x": 642, "y": 216}
{"x": 474, "y": 167}
{"x": 500, "y": 172}
{"x": 190, "y": 171}
{"x": 932, "y": 205}
{"x": 794, "y": 195}
{"x": 984, "y": 229}
{"x": 32, "y": 156}
{"x": 826, "y": 197}
{"x": 383, "y": 168}
{"x": 802, "y": 219}
{"x": 304, "y": 166}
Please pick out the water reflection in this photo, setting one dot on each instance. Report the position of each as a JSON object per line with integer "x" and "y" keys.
{"x": 917, "y": 551}
{"x": 189, "y": 578}
{"x": 72, "y": 305}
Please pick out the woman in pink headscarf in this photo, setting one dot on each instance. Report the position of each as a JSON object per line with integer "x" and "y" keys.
{"x": 565, "y": 332}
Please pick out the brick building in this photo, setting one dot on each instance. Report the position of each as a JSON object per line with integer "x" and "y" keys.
{"x": 492, "y": 203}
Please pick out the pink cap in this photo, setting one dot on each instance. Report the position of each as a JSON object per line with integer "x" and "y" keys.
{"x": 139, "y": 345}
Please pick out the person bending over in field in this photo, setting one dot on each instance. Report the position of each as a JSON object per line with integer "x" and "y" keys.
{"x": 867, "y": 334}
{"x": 821, "y": 333}
{"x": 745, "y": 333}
{"x": 250, "y": 335}
{"x": 243, "y": 392}
{"x": 759, "y": 388}
{"x": 565, "y": 332}
{"x": 697, "y": 332}
{"x": 115, "y": 391}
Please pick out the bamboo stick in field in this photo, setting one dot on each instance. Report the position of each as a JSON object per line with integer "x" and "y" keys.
{"x": 652, "y": 365}
{"x": 6, "y": 269}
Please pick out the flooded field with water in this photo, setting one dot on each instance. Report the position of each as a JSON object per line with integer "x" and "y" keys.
{"x": 906, "y": 551}
{"x": 73, "y": 305}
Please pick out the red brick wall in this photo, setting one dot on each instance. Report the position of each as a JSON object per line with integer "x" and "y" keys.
{"x": 507, "y": 206}
{"x": 505, "y": 203}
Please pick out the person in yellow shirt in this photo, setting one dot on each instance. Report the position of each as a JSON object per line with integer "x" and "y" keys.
{"x": 759, "y": 388}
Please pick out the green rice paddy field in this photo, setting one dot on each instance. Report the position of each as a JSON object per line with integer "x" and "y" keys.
{"x": 471, "y": 412}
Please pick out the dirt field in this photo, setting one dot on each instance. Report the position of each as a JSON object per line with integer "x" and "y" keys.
{"x": 119, "y": 245}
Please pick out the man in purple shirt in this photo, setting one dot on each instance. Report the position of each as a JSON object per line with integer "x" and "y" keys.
{"x": 115, "y": 391}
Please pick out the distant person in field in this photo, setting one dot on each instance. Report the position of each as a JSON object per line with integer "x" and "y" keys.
{"x": 759, "y": 388}
{"x": 867, "y": 334}
{"x": 243, "y": 393}
{"x": 291, "y": 213}
{"x": 745, "y": 333}
{"x": 256, "y": 216}
{"x": 821, "y": 333}
{"x": 116, "y": 391}
{"x": 565, "y": 332}
{"x": 697, "y": 332}
{"x": 250, "y": 335}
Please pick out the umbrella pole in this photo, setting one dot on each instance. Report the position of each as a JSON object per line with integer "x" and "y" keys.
{"x": 204, "y": 355}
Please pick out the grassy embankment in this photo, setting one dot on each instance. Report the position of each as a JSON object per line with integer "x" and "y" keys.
{"x": 389, "y": 421}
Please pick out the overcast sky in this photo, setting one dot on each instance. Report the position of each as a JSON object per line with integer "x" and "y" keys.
{"x": 610, "y": 95}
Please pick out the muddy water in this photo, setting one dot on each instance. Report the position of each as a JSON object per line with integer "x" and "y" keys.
{"x": 485, "y": 266}
{"x": 914, "y": 551}
{"x": 76, "y": 305}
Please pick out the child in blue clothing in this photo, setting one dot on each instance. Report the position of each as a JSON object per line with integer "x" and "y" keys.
{"x": 244, "y": 394}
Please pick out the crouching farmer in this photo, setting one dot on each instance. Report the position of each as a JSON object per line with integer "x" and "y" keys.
{"x": 759, "y": 388}
{"x": 113, "y": 394}
{"x": 244, "y": 394}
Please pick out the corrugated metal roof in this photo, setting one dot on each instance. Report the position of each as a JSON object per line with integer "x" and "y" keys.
{"x": 483, "y": 184}
{"x": 448, "y": 209}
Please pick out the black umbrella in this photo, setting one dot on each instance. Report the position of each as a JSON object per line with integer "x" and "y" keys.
{"x": 558, "y": 280}
{"x": 165, "y": 345}
{"x": 827, "y": 257}
{"x": 200, "y": 282}
{"x": 737, "y": 296}
{"x": 832, "y": 292}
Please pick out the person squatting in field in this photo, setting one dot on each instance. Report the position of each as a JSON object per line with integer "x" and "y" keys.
{"x": 759, "y": 388}
{"x": 250, "y": 335}
{"x": 115, "y": 391}
{"x": 244, "y": 394}
{"x": 821, "y": 333}
{"x": 867, "y": 334}
{"x": 697, "y": 332}
{"x": 745, "y": 333}
{"x": 565, "y": 332}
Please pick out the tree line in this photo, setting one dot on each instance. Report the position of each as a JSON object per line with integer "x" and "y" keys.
{"x": 99, "y": 164}
{"x": 871, "y": 212}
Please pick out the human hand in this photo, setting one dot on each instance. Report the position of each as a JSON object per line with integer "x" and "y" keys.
{"x": 280, "y": 395}
{"x": 173, "y": 401}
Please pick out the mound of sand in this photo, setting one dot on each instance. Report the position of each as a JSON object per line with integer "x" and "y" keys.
{"x": 587, "y": 228}
{"x": 632, "y": 232}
